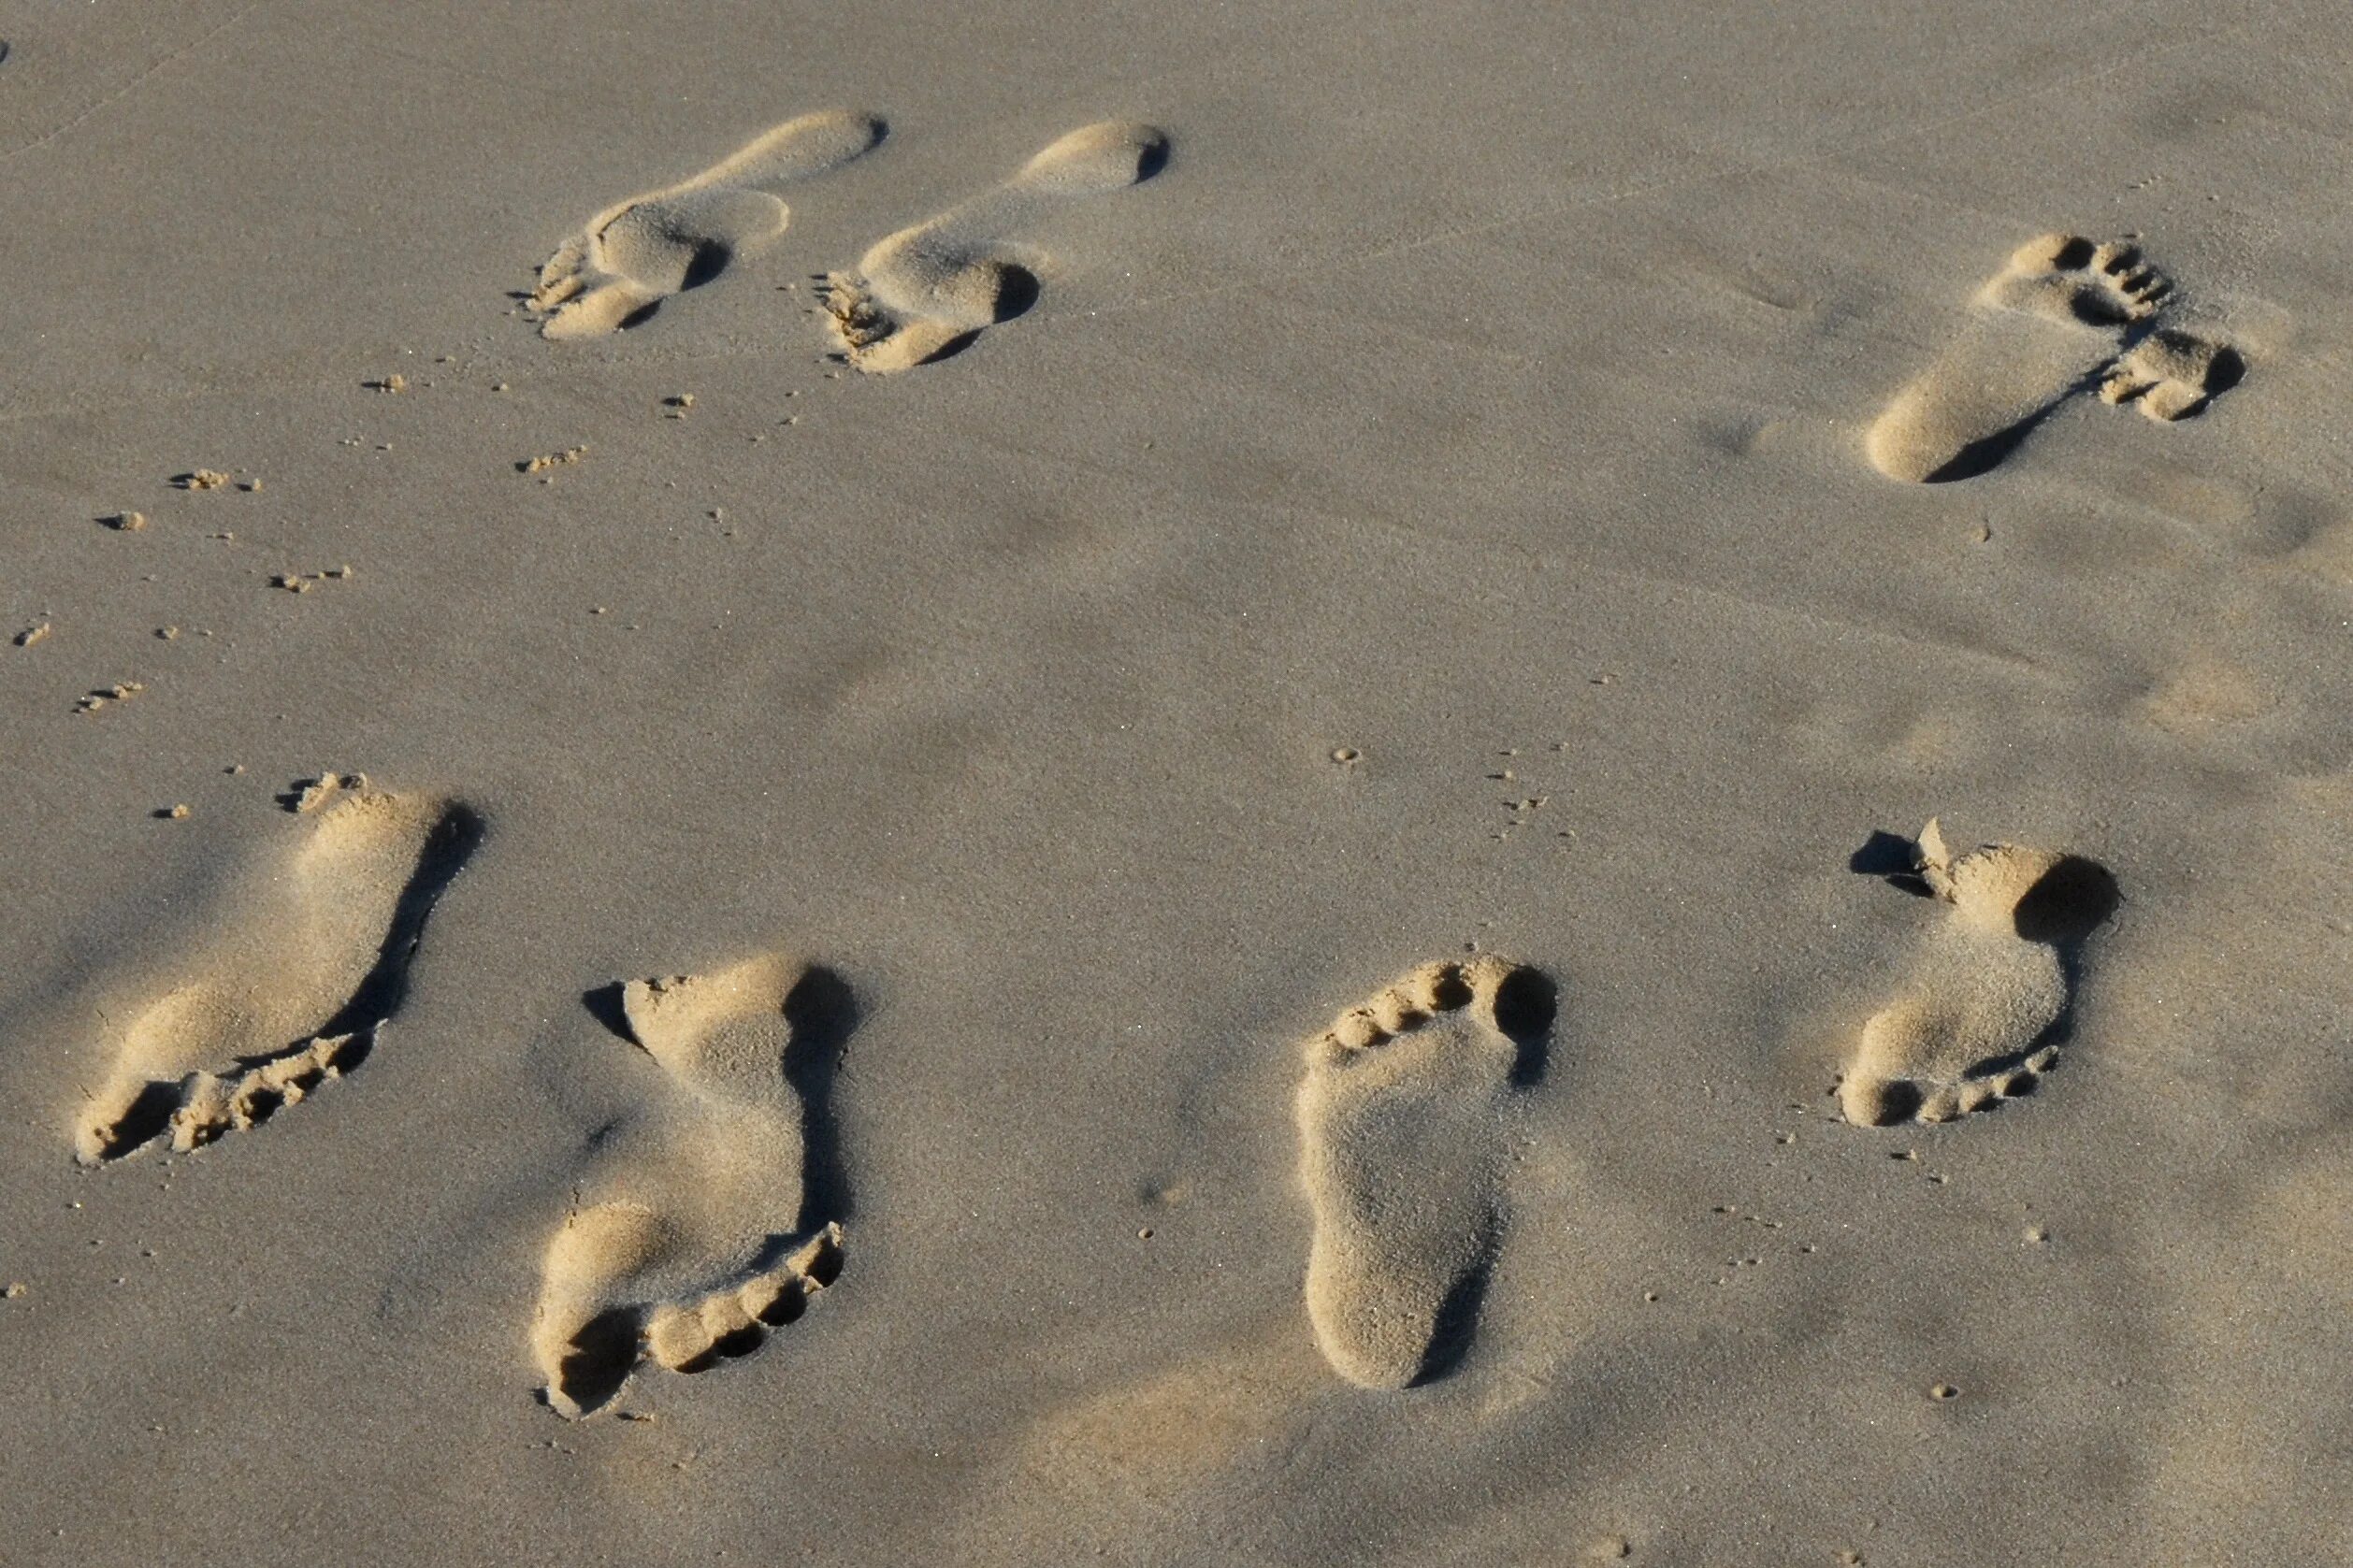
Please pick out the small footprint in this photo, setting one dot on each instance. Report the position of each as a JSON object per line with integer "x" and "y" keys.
{"x": 2172, "y": 375}
{"x": 633, "y": 255}
{"x": 684, "y": 1241}
{"x": 927, "y": 291}
{"x": 309, "y": 967}
{"x": 2064, "y": 316}
{"x": 1402, "y": 1125}
{"x": 1970, "y": 1024}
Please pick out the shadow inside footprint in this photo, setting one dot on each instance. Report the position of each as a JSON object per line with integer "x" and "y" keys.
{"x": 1525, "y": 1005}
{"x": 1985, "y": 456}
{"x": 1456, "y": 1323}
{"x": 822, "y": 1013}
{"x": 379, "y": 996}
{"x": 599, "y": 1360}
{"x": 2228, "y": 371}
{"x": 2072, "y": 900}
{"x": 148, "y": 1118}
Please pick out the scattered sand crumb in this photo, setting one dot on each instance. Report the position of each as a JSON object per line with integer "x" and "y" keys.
{"x": 94, "y": 700}
{"x": 127, "y": 522}
{"x": 302, "y": 583}
{"x": 552, "y": 460}
{"x": 176, "y": 813}
{"x": 200, "y": 479}
{"x": 394, "y": 382}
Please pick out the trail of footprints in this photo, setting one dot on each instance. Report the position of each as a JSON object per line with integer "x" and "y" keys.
{"x": 919, "y": 294}
{"x": 687, "y": 1237}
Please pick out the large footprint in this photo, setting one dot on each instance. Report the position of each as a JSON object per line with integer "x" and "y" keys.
{"x": 1969, "y": 1026}
{"x": 309, "y": 960}
{"x": 633, "y": 255}
{"x": 684, "y": 1242}
{"x": 926, "y": 291}
{"x": 2060, "y": 319}
{"x": 1401, "y": 1130}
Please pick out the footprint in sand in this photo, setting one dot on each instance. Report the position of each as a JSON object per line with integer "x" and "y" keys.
{"x": 1403, "y": 1119}
{"x": 311, "y": 960}
{"x": 2064, "y": 316}
{"x": 1972, "y": 1021}
{"x": 633, "y": 255}
{"x": 684, "y": 1242}
{"x": 927, "y": 291}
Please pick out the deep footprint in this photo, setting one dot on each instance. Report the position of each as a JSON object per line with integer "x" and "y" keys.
{"x": 686, "y": 1242}
{"x": 636, "y": 253}
{"x": 2063, "y": 316}
{"x": 927, "y": 291}
{"x": 1972, "y": 1023}
{"x": 1402, "y": 1126}
{"x": 312, "y": 962}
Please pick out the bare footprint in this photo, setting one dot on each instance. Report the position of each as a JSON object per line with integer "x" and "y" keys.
{"x": 1972, "y": 1022}
{"x": 2060, "y": 319}
{"x": 684, "y": 1241}
{"x": 2172, "y": 375}
{"x": 926, "y": 291}
{"x": 1402, "y": 1136}
{"x": 310, "y": 961}
{"x": 633, "y": 255}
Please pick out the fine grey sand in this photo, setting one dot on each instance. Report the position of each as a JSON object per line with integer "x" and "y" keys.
{"x": 1342, "y": 497}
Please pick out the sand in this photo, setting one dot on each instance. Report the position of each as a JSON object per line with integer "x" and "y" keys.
{"x": 1146, "y": 784}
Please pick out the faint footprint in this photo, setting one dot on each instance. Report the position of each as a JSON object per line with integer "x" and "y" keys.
{"x": 2057, "y": 319}
{"x": 311, "y": 961}
{"x": 684, "y": 1241}
{"x": 635, "y": 254}
{"x": 926, "y": 291}
{"x": 1402, "y": 1126}
{"x": 1972, "y": 1022}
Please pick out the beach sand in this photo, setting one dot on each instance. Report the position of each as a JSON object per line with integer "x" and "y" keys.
{"x": 1254, "y": 687}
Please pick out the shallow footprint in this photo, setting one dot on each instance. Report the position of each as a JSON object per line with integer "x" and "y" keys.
{"x": 1970, "y": 1024}
{"x": 1401, "y": 1118}
{"x": 2172, "y": 375}
{"x": 311, "y": 960}
{"x": 636, "y": 253}
{"x": 926, "y": 291}
{"x": 684, "y": 1241}
{"x": 2049, "y": 325}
